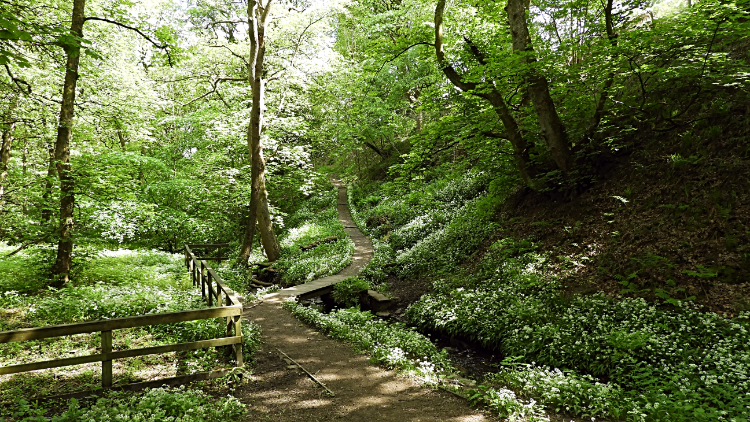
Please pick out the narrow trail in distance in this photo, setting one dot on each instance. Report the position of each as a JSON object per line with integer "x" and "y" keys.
{"x": 280, "y": 392}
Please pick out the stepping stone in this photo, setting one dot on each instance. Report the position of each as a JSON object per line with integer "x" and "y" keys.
{"x": 378, "y": 302}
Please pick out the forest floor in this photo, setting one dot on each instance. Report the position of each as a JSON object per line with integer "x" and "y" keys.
{"x": 363, "y": 392}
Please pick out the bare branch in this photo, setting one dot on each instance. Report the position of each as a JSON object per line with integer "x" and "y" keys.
{"x": 215, "y": 86}
{"x": 18, "y": 82}
{"x": 155, "y": 44}
{"x": 231, "y": 51}
{"x": 402, "y": 52}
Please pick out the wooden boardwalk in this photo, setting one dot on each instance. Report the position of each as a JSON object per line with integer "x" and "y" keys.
{"x": 362, "y": 254}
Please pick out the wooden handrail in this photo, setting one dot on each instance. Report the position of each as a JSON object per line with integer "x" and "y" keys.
{"x": 197, "y": 269}
{"x": 109, "y": 356}
{"x": 208, "y": 245}
{"x": 200, "y": 273}
{"x": 117, "y": 323}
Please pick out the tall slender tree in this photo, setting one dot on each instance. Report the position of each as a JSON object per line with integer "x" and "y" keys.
{"x": 63, "y": 262}
{"x": 258, "y": 18}
{"x": 8, "y": 127}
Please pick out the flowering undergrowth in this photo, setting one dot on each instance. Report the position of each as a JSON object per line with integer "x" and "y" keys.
{"x": 316, "y": 219}
{"x": 393, "y": 345}
{"x": 660, "y": 365}
{"x": 584, "y": 355}
{"x": 158, "y": 404}
{"x": 429, "y": 229}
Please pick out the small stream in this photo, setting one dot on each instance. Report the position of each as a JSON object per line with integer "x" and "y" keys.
{"x": 471, "y": 360}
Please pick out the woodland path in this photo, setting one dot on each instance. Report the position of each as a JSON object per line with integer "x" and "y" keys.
{"x": 360, "y": 258}
{"x": 364, "y": 392}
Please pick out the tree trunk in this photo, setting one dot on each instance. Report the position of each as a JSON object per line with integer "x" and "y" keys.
{"x": 61, "y": 270}
{"x": 549, "y": 121}
{"x": 512, "y": 131}
{"x": 257, "y": 18}
{"x": 4, "y": 159}
{"x": 602, "y": 101}
{"x": 5, "y": 149}
{"x": 51, "y": 176}
{"x": 265, "y": 224}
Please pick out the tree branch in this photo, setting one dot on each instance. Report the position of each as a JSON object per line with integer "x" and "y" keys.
{"x": 231, "y": 51}
{"x": 154, "y": 43}
{"x": 402, "y": 52}
{"x": 18, "y": 82}
{"x": 215, "y": 85}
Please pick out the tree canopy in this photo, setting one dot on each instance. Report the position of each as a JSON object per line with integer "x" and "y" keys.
{"x": 160, "y": 133}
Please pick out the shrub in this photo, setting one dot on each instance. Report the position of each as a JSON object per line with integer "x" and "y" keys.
{"x": 347, "y": 292}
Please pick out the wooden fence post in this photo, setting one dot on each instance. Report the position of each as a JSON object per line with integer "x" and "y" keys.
{"x": 106, "y": 362}
{"x": 191, "y": 268}
{"x": 210, "y": 291}
{"x": 238, "y": 346}
{"x": 203, "y": 280}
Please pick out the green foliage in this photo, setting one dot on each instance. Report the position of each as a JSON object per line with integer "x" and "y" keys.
{"x": 346, "y": 292}
{"x": 661, "y": 365}
{"x": 162, "y": 404}
{"x": 394, "y": 345}
{"x": 425, "y": 230}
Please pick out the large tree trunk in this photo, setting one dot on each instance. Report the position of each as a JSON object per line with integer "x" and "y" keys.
{"x": 512, "y": 131}
{"x": 61, "y": 270}
{"x": 257, "y": 19}
{"x": 549, "y": 121}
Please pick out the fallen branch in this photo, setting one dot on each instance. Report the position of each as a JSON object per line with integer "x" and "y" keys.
{"x": 251, "y": 307}
{"x": 308, "y": 373}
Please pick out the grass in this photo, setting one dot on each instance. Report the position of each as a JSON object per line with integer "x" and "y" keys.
{"x": 110, "y": 284}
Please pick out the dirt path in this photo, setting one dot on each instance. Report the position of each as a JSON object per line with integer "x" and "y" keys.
{"x": 363, "y": 392}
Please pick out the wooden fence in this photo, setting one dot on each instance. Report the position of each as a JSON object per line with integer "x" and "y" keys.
{"x": 206, "y": 278}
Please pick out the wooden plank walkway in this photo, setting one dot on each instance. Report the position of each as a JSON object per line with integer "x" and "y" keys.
{"x": 362, "y": 254}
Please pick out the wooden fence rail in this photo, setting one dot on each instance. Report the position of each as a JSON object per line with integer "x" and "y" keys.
{"x": 206, "y": 278}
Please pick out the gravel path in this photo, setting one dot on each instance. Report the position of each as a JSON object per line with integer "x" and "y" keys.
{"x": 363, "y": 392}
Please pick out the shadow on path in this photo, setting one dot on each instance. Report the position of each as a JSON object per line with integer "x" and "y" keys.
{"x": 364, "y": 392}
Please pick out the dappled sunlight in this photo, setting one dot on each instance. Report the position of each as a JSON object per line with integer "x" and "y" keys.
{"x": 307, "y": 404}
{"x": 307, "y": 230}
